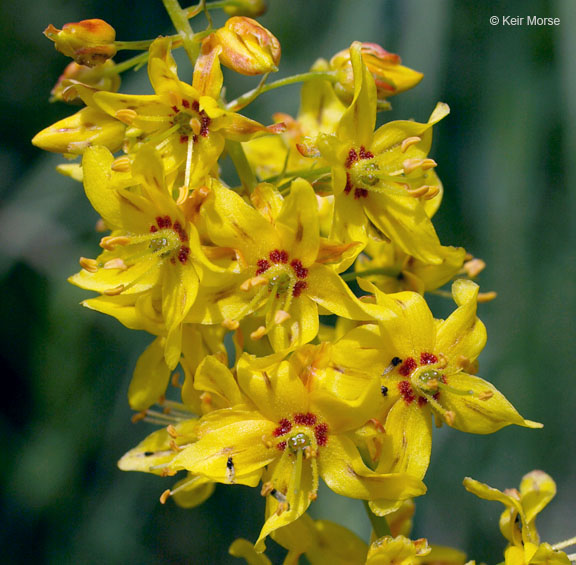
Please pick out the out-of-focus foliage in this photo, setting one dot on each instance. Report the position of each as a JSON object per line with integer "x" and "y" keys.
{"x": 506, "y": 157}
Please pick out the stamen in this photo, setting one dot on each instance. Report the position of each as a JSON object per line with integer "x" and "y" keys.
{"x": 121, "y": 164}
{"x": 188, "y": 169}
{"x": 253, "y": 282}
{"x": 126, "y": 115}
{"x": 486, "y": 296}
{"x": 410, "y": 165}
{"x": 89, "y": 265}
{"x": 231, "y": 325}
{"x": 116, "y": 263}
{"x": 114, "y": 291}
{"x": 474, "y": 267}
{"x": 281, "y": 316}
{"x": 165, "y": 496}
{"x": 408, "y": 142}
{"x": 110, "y": 242}
{"x": 172, "y": 431}
{"x": 258, "y": 334}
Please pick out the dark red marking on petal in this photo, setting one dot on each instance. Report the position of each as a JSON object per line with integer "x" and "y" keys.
{"x": 185, "y": 103}
{"x": 406, "y": 391}
{"x": 321, "y": 434}
{"x": 183, "y": 254}
{"x": 298, "y": 288}
{"x": 428, "y": 358}
{"x": 183, "y": 139}
{"x": 300, "y": 271}
{"x": 196, "y": 106}
{"x": 177, "y": 227}
{"x": 281, "y": 446}
{"x": 278, "y": 256}
{"x": 204, "y": 125}
{"x": 175, "y": 109}
{"x": 360, "y": 193}
{"x": 308, "y": 419}
{"x": 352, "y": 158}
{"x": 153, "y": 229}
{"x": 365, "y": 154}
{"x": 407, "y": 367}
{"x": 348, "y": 186}
{"x": 284, "y": 427}
{"x": 263, "y": 266}
{"x": 422, "y": 401}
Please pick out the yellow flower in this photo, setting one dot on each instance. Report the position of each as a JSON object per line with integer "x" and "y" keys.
{"x": 425, "y": 367}
{"x": 518, "y": 521}
{"x": 153, "y": 251}
{"x": 380, "y": 178}
{"x": 288, "y": 424}
{"x": 283, "y": 270}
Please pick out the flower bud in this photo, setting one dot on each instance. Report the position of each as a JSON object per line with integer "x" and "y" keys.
{"x": 247, "y": 47}
{"x": 94, "y": 77}
{"x": 389, "y": 75}
{"x": 252, "y": 8}
{"x": 89, "y": 42}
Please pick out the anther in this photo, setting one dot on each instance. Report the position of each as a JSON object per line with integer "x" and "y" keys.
{"x": 253, "y": 282}
{"x": 449, "y": 416}
{"x": 281, "y": 316}
{"x": 165, "y": 496}
{"x": 114, "y": 291}
{"x": 486, "y": 296}
{"x": 258, "y": 334}
{"x": 195, "y": 125}
{"x": 139, "y": 417}
{"x": 110, "y": 242}
{"x": 126, "y": 115}
{"x": 172, "y": 431}
{"x": 485, "y": 395}
{"x": 230, "y": 325}
{"x": 408, "y": 142}
{"x": 100, "y": 226}
{"x": 432, "y": 192}
{"x": 410, "y": 165}
{"x": 89, "y": 265}
{"x": 474, "y": 267}
{"x": 121, "y": 164}
{"x": 116, "y": 263}
{"x": 175, "y": 380}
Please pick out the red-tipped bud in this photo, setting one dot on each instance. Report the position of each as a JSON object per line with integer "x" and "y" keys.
{"x": 251, "y": 8}
{"x": 247, "y": 47}
{"x": 389, "y": 75}
{"x": 89, "y": 42}
{"x": 94, "y": 77}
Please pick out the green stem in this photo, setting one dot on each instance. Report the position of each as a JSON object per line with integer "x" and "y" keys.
{"x": 304, "y": 173}
{"x": 245, "y": 172}
{"x": 379, "y": 523}
{"x": 128, "y": 64}
{"x": 376, "y": 271}
{"x": 249, "y": 96}
{"x": 179, "y": 18}
{"x": 133, "y": 45}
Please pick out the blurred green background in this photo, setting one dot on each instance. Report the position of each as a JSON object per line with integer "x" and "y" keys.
{"x": 506, "y": 156}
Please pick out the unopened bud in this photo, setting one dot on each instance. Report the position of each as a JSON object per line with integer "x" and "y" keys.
{"x": 247, "y": 47}
{"x": 94, "y": 77}
{"x": 389, "y": 75}
{"x": 252, "y": 8}
{"x": 89, "y": 42}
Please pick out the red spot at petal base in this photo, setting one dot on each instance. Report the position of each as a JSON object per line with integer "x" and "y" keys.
{"x": 321, "y": 434}
{"x": 406, "y": 391}
{"x": 298, "y": 288}
{"x": 352, "y": 158}
{"x": 308, "y": 419}
{"x": 263, "y": 266}
{"x": 407, "y": 367}
{"x": 281, "y": 446}
{"x": 428, "y": 358}
{"x": 284, "y": 427}
{"x": 300, "y": 271}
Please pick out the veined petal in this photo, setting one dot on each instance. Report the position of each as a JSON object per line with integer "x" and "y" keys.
{"x": 486, "y": 492}
{"x": 327, "y": 289}
{"x": 411, "y": 330}
{"x": 150, "y": 377}
{"x": 358, "y": 121}
{"x": 236, "y": 446}
{"x": 537, "y": 489}
{"x": 233, "y": 223}
{"x": 162, "y": 70}
{"x": 300, "y": 328}
{"x": 192, "y": 491}
{"x": 410, "y": 427}
{"x": 403, "y": 219}
{"x": 350, "y": 221}
{"x": 363, "y": 349}
{"x": 277, "y": 391}
{"x": 345, "y": 473}
{"x": 462, "y": 333}
{"x": 483, "y": 412}
{"x": 208, "y": 77}
{"x": 299, "y": 214}
{"x": 214, "y": 377}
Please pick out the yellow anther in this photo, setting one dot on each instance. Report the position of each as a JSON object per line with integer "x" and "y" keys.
{"x": 110, "y": 241}
{"x": 258, "y": 334}
{"x": 282, "y": 507}
{"x": 410, "y": 165}
{"x": 253, "y": 282}
{"x": 195, "y": 125}
{"x": 175, "y": 447}
{"x": 121, "y": 164}
{"x": 281, "y": 316}
{"x": 418, "y": 192}
{"x": 267, "y": 488}
{"x": 474, "y": 267}
{"x": 408, "y": 142}
{"x": 230, "y": 324}
{"x": 100, "y": 226}
{"x": 449, "y": 416}
{"x": 432, "y": 192}
{"x": 114, "y": 291}
{"x": 182, "y": 195}
{"x": 485, "y": 395}
{"x": 116, "y": 263}
{"x": 126, "y": 115}
{"x": 89, "y": 265}
{"x": 442, "y": 361}
{"x": 138, "y": 417}
{"x": 312, "y": 496}
{"x": 165, "y": 496}
{"x": 487, "y": 296}
{"x": 175, "y": 380}
{"x": 172, "y": 431}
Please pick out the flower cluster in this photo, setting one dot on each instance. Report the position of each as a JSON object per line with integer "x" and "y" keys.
{"x": 235, "y": 279}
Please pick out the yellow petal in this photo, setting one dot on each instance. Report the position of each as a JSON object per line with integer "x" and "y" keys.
{"x": 214, "y": 377}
